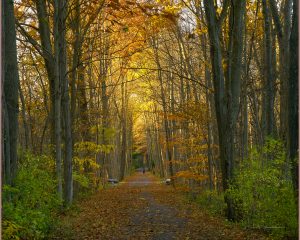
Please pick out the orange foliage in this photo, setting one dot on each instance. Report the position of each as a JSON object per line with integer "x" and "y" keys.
{"x": 190, "y": 175}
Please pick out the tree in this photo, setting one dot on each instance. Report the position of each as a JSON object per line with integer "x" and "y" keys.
{"x": 62, "y": 7}
{"x": 51, "y": 57}
{"x": 269, "y": 79}
{"x": 227, "y": 82}
{"x": 11, "y": 93}
{"x": 283, "y": 31}
{"x": 293, "y": 106}
{"x": 167, "y": 130}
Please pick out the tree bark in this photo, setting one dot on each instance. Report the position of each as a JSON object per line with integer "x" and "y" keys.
{"x": 49, "y": 58}
{"x": 227, "y": 85}
{"x": 57, "y": 102}
{"x": 124, "y": 135}
{"x": 11, "y": 94}
{"x": 283, "y": 34}
{"x": 63, "y": 79}
{"x": 293, "y": 141}
{"x": 24, "y": 120}
{"x": 269, "y": 82}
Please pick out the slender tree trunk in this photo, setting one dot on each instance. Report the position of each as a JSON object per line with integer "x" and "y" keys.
{"x": 209, "y": 131}
{"x": 164, "y": 105}
{"x": 49, "y": 57}
{"x": 62, "y": 62}
{"x": 283, "y": 32}
{"x": 158, "y": 145}
{"x": 269, "y": 75}
{"x": 104, "y": 65}
{"x": 124, "y": 135}
{"x": 57, "y": 103}
{"x": 75, "y": 59}
{"x": 82, "y": 110}
{"x": 24, "y": 120}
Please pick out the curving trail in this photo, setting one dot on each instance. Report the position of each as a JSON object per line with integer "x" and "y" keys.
{"x": 144, "y": 208}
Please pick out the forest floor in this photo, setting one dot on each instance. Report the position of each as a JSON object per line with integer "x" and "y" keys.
{"x": 142, "y": 207}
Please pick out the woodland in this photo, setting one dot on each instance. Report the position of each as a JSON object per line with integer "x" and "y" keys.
{"x": 201, "y": 92}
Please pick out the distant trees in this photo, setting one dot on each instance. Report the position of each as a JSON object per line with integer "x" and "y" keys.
{"x": 245, "y": 61}
{"x": 78, "y": 52}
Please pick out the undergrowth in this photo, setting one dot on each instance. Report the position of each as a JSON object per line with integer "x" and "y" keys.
{"x": 262, "y": 193}
{"x": 30, "y": 206}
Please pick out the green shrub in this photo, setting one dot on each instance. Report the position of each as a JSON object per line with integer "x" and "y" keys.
{"x": 263, "y": 192}
{"x": 11, "y": 230}
{"x": 81, "y": 179}
{"x": 212, "y": 201}
{"x": 29, "y": 206}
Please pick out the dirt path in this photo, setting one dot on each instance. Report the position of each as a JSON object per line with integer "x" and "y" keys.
{"x": 155, "y": 221}
{"x": 144, "y": 208}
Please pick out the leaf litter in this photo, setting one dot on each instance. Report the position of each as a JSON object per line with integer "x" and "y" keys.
{"x": 143, "y": 208}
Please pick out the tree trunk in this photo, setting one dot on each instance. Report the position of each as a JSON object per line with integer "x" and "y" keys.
{"x": 6, "y": 164}
{"x": 293, "y": 132}
{"x": 11, "y": 95}
{"x": 24, "y": 120}
{"x": 227, "y": 87}
{"x": 63, "y": 78}
{"x": 164, "y": 105}
{"x": 104, "y": 65}
{"x": 283, "y": 32}
{"x": 124, "y": 137}
{"x": 51, "y": 62}
{"x": 49, "y": 58}
{"x": 269, "y": 82}
{"x": 75, "y": 59}
{"x": 57, "y": 103}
